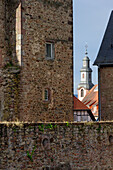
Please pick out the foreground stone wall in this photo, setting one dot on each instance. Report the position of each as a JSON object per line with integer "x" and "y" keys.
{"x": 2, "y": 34}
{"x": 106, "y": 92}
{"x": 56, "y": 146}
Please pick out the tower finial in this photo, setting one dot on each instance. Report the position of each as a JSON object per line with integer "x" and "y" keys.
{"x": 86, "y": 47}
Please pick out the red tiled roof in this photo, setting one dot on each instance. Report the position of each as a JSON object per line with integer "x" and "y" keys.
{"x": 78, "y": 105}
{"x": 91, "y": 97}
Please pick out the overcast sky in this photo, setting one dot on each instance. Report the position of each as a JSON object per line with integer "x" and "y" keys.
{"x": 90, "y": 21}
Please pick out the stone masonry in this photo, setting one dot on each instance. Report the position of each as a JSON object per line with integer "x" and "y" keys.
{"x": 104, "y": 61}
{"x": 106, "y": 92}
{"x": 61, "y": 146}
{"x": 27, "y": 27}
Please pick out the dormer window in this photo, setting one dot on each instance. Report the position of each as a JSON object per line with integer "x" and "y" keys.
{"x": 49, "y": 50}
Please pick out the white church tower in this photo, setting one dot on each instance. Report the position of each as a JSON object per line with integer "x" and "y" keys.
{"x": 86, "y": 77}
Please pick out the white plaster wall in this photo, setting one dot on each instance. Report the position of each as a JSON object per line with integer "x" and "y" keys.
{"x": 80, "y": 116}
{"x": 79, "y": 93}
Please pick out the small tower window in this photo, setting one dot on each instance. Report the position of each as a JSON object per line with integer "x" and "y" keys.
{"x": 49, "y": 50}
{"x": 83, "y": 75}
{"x": 82, "y": 93}
{"x": 46, "y": 94}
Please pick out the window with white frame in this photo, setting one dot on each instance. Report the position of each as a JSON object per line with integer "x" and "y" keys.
{"x": 49, "y": 50}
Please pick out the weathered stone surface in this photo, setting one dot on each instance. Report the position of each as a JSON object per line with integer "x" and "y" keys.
{"x": 106, "y": 92}
{"x": 69, "y": 147}
{"x": 47, "y": 21}
{"x": 26, "y": 25}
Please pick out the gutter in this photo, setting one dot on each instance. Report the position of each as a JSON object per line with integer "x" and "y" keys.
{"x": 103, "y": 64}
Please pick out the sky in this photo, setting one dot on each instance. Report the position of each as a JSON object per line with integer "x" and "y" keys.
{"x": 90, "y": 18}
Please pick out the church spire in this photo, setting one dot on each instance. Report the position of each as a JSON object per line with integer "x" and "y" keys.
{"x": 86, "y": 76}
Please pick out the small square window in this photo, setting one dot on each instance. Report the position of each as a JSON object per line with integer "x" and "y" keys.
{"x": 49, "y": 50}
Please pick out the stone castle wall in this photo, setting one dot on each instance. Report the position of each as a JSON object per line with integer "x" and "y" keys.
{"x": 47, "y": 21}
{"x": 106, "y": 92}
{"x": 25, "y": 28}
{"x": 59, "y": 146}
{"x": 2, "y": 32}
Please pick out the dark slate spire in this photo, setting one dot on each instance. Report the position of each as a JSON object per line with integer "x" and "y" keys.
{"x": 105, "y": 55}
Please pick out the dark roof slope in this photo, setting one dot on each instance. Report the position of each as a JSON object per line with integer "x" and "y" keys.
{"x": 105, "y": 55}
{"x": 78, "y": 105}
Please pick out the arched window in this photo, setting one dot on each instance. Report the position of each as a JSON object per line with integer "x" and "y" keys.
{"x": 83, "y": 75}
{"x": 82, "y": 93}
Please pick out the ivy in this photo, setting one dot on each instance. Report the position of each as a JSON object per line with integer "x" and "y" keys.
{"x": 41, "y": 127}
{"x": 49, "y": 126}
{"x": 30, "y": 155}
{"x": 67, "y": 124}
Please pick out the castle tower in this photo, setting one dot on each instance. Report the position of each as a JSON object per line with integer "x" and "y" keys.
{"x": 38, "y": 81}
{"x": 86, "y": 77}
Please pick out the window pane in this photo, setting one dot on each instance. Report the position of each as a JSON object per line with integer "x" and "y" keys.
{"x": 79, "y": 118}
{"x": 75, "y": 117}
{"x": 48, "y": 50}
{"x": 46, "y": 95}
{"x": 82, "y": 93}
{"x": 83, "y": 75}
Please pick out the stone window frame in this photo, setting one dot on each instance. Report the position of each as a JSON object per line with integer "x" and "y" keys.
{"x": 48, "y": 99}
{"x": 52, "y": 50}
